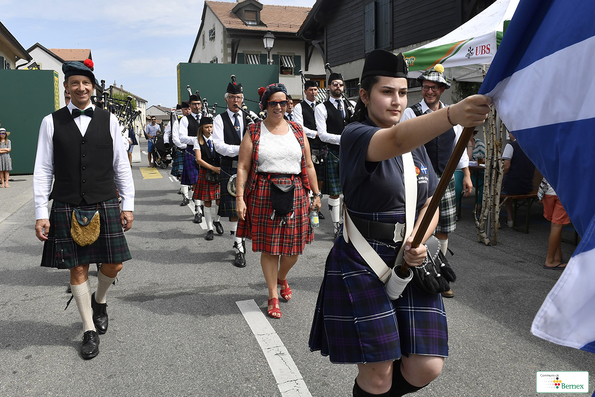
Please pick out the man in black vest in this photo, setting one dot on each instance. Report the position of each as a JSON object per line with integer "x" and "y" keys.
{"x": 439, "y": 150}
{"x": 228, "y": 130}
{"x": 331, "y": 118}
{"x": 187, "y": 133}
{"x": 80, "y": 147}
{"x": 303, "y": 114}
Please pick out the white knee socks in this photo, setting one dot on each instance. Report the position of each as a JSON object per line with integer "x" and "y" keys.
{"x": 208, "y": 218}
{"x": 185, "y": 191}
{"x": 82, "y": 297}
{"x": 103, "y": 283}
{"x": 443, "y": 246}
{"x": 335, "y": 208}
{"x": 215, "y": 208}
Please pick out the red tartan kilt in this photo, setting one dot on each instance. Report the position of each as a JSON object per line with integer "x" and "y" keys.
{"x": 268, "y": 235}
{"x": 206, "y": 191}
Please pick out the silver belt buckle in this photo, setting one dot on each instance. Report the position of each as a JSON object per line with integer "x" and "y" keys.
{"x": 399, "y": 233}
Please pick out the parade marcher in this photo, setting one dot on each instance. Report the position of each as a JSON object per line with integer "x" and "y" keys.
{"x": 173, "y": 118}
{"x": 331, "y": 118}
{"x": 188, "y": 131}
{"x": 82, "y": 143}
{"x": 178, "y": 163}
{"x": 275, "y": 153}
{"x": 439, "y": 150}
{"x": 303, "y": 114}
{"x": 228, "y": 130}
{"x": 207, "y": 190}
{"x": 289, "y": 111}
{"x": 5, "y": 160}
{"x": 399, "y": 346}
{"x": 150, "y": 133}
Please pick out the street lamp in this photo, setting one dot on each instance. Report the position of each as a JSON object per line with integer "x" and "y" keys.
{"x": 268, "y": 40}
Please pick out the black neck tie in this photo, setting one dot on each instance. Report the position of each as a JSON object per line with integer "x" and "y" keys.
{"x": 289, "y": 116}
{"x": 236, "y": 124}
{"x": 210, "y": 144}
{"x": 312, "y": 104}
{"x": 340, "y": 107}
{"x": 87, "y": 112}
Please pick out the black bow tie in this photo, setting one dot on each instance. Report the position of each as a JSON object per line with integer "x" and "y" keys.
{"x": 87, "y": 112}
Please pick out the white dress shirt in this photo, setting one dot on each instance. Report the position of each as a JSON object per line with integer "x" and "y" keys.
{"x": 221, "y": 147}
{"x": 298, "y": 117}
{"x": 321, "y": 114}
{"x": 175, "y": 135}
{"x": 44, "y": 163}
{"x": 183, "y": 131}
{"x": 458, "y": 129}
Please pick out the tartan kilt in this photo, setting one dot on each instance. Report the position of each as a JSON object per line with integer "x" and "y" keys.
{"x": 190, "y": 170}
{"x": 178, "y": 164}
{"x": 356, "y": 322}
{"x": 332, "y": 183}
{"x": 268, "y": 235}
{"x": 447, "y": 222}
{"x": 227, "y": 202}
{"x": 206, "y": 191}
{"x": 319, "y": 165}
{"x": 60, "y": 250}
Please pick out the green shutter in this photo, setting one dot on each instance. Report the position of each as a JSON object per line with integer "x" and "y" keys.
{"x": 263, "y": 59}
{"x": 297, "y": 60}
{"x": 240, "y": 58}
{"x": 276, "y": 61}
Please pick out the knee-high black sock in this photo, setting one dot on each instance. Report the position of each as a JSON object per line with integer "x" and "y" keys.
{"x": 358, "y": 392}
{"x": 400, "y": 386}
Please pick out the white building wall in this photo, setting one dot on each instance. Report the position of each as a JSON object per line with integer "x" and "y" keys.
{"x": 207, "y": 49}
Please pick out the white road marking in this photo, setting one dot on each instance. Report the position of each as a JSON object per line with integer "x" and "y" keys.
{"x": 288, "y": 377}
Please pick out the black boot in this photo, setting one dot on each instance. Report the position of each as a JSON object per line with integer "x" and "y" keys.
{"x": 99, "y": 315}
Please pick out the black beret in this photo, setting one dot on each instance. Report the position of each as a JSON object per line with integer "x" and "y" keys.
{"x": 206, "y": 120}
{"x": 235, "y": 88}
{"x": 334, "y": 76}
{"x": 77, "y": 69}
{"x": 185, "y": 105}
{"x": 178, "y": 106}
{"x": 385, "y": 63}
{"x": 194, "y": 98}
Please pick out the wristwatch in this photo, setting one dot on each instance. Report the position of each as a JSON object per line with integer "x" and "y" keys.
{"x": 319, "y": 194}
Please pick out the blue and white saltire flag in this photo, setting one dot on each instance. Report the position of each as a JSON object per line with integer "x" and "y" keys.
{"x": 542, "y": 81}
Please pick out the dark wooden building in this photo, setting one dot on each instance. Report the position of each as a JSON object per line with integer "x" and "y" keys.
{"x": 344, "y": 31}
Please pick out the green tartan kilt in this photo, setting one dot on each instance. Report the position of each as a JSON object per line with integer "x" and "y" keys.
{"x": 60, "y": 250}
{"x": 332, "y": 185}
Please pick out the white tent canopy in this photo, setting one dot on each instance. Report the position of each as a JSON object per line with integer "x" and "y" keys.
{"x": 467, "y": 51}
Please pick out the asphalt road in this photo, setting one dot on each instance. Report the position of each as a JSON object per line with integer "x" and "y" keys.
{"x": 185, "y": 322}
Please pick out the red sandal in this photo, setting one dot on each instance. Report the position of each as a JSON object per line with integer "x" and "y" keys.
{"x": 273, "y": 309}
{"x": 285, "y": 290}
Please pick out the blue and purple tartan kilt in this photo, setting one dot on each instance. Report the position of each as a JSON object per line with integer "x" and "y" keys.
{"x": 178, "y": 164}
{"x": 206, "y": 191}
{"x": 190, "y": 170}
{"x": 227, "y": 202}
{"x": 447, "y": 222}
{"x": 332, "y": 183}
{"x": 268, "y": 235}
{"x": 356, "y": 322}
{"x": 60, "y": 250}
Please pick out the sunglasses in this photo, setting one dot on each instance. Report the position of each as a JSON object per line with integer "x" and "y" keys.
{"x": 275, "y": 103}
{"x": 2, "y": 133}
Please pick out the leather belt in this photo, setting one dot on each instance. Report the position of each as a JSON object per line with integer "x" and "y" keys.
{"x": 379, "y": 230}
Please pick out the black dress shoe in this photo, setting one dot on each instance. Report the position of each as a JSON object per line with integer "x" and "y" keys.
{"x": 184, "y": 202}
{"x": 209, "y": 235}
{"x": 99, "y": 315}
{"x": 320, "y": 215}
{"x": 240, "y": 259}
{"x": 218, "y": 227}
{"x": 197, "y": 217}
{"x": 90, "y": 346}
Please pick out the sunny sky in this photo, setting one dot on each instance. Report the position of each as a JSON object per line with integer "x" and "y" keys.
{"x": 136, "y": 43}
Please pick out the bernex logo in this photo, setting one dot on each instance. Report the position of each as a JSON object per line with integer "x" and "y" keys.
{"x": 569, "y": 382}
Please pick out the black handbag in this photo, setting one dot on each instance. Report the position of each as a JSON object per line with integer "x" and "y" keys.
{"x": 281, "y": 196}
{"x": 434, "y": 274}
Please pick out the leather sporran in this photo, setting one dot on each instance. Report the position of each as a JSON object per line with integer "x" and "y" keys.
{"x": 282, "y": 197}
{"x": 434, "y": 274}
{"x": 211, "y": 176}
{"x": 85, "y": 226}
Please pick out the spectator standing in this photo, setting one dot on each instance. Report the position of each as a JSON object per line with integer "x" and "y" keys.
{"x": 5, "y": 160}
{"x": 150, "y": 133}
{"x": 554, "y": 212}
